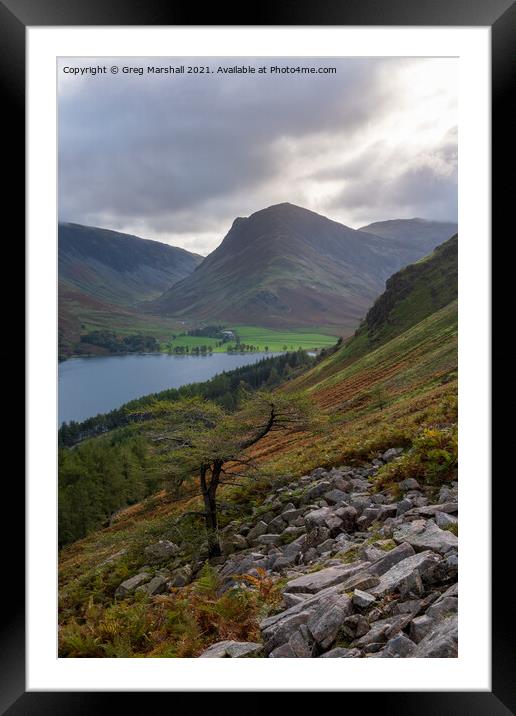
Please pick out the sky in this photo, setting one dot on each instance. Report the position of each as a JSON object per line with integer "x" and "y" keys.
{"x": 177, "y": 157}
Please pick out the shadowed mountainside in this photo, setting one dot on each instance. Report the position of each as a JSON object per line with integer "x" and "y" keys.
{"x": 411, "y": 295}
{"x": 285, "y": 265}
{"x": 103, "y": 275}
{"x": 420, "y": 236}
{"x": 119, "y": 268}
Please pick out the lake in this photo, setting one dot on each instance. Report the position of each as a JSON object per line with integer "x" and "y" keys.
{"x": 92, "y": 385}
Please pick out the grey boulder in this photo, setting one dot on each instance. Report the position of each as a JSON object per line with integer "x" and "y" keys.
{"x": 390, "y": 558}
{"x": 443, "y": 519}
{"x": 391, "y": 580}
{"x": 268, "y": 539}
{"x": 259, "y": 529}
{"x": 361, "y": 580}
{"x": 441, "y": 642}
{"x": 327, "y": 619}
{"x": 348, "y": 515}
{"x": 232, "y": 650}
{"x": 291, "y": 515}
{"x": 180, "y": 577}
{"x": 157, "y": 585}
{"x": 334, "y": 497}
{"x": 316, "y": 581}
{"x": 317, "y": 490}
{"x": 420, "y": 627}
{"x": 276, "y": 526}
{"x": 161, "y": 551}
{"x": 409, "y": 484}
{"x": 302, "y": 643}
{"x": 363, "y": 600}
{"x": 318, "y": 517}
{"x": 423, "y": 535}
{"x": 129, "y": 585}
{"x": 284, "y": 651}
{"x": 392, "y": 453}
{"x": 403, "y": 506}
{"x": 341, "y": 653}
{"x": 398, "y": 647}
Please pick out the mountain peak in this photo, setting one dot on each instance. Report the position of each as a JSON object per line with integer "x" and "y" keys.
{"x": 286, "y": 265}
{"x": 281, "y": 205}
{"x": 285, "y": 208}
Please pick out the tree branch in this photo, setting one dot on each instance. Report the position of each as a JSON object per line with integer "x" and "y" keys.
{"x": 261, "y": 433}
{"x": 240, "y": 461}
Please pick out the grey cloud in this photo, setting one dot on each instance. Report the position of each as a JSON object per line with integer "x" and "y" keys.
{"x": 381, "y": 183}
{"x": 417, "y": 191}
{"x": 173, "y": 155}
{"x": 448, "y": 151}
{"x": 362, "y": 165}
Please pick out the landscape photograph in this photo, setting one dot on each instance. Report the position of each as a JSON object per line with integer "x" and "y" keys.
{"x": 257, "y": 357}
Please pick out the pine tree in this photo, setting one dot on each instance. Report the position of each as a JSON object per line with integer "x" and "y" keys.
{"x": 201, "y": 441}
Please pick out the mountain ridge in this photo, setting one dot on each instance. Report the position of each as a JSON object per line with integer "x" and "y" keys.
{"x": 287, "y": 264}
{"x": 105, "y": 274}
{"x": 417, "y": 234}
{"x": 106, "y": 251}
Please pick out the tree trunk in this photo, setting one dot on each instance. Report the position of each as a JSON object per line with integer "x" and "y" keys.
{"x": 212, "y": 527}
{"x": 210, "y": 506}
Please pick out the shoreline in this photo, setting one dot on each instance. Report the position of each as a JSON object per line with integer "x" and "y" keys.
{"x": 211, "y": 370}
{"x": 174, "y": 355}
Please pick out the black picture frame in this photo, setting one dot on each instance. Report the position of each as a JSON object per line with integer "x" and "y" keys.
{"x": 500, "y": 15}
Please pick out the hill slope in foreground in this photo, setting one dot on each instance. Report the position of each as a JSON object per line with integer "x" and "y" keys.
{"x": 104, "y": 274}
{"x": 287, "y": 266}
{"x": 359, "y": 516}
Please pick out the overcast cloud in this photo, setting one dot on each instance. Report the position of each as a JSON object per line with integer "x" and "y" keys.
{"x": 177, "y": 157}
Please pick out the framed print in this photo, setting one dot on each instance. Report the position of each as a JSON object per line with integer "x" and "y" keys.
{"x": 258, "y": 359}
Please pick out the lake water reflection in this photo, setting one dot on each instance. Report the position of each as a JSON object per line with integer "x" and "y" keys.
{"x": 92, "y": 385}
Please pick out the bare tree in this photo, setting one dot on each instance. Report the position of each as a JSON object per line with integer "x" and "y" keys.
{"x": 204, "y": 447}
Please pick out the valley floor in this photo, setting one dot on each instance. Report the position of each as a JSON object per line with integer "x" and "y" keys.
{"x": 255, "y": 338}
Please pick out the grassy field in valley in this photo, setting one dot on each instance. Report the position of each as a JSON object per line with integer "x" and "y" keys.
{"x": 261, "y": 338}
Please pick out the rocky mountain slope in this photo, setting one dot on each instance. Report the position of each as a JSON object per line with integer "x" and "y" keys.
{"x": 287, "y": 266}
{"x": 363, "y": 574}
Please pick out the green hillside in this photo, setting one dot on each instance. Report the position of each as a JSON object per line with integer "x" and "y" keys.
{"x": 394, "y": 385}
{"x": 414, "y": 293}
{"x": 410, "y": 295}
